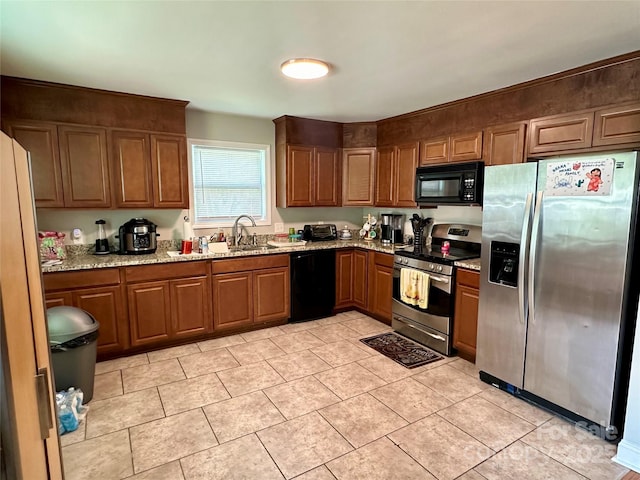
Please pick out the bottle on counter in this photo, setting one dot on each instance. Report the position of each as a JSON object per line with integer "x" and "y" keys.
{"x": 204, "y": 245}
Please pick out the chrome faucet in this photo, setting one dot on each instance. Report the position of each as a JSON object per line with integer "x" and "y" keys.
{"x": 237, "y": 228}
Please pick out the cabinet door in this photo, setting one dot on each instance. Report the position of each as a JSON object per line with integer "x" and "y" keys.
{"x": 405, "y": 171}
{"x": 190, "y": 307}
{"x": 271, "y": 297}
{"x": 232, "y": 300}
{"x": 300, "y": 176}
{"x": 465, "y": 324}
{"x": 131, "y": 165}
{"x": 465, "y": 147}
{"x": 504, "y": 144}
{"x": 41, "y": 141}
{"x": 344, "y": 278}
{"x": 85, "y": 169}
{"x": 169, "y": 168}
{"x": 385, "y": 177}
{"x": 617, "y": 125}
{"x": 327, "y": 177}
{"x": 58, "y": 299}
{"x": 360, "y": 261}
{"x": 358, "y": 176}
{"x": 381, "y": 291}
{"x": 560, "y": 132}
{"x": 149, "y": 312}
{"x": 107, "y": 307}
{"x": 434, "y": 151}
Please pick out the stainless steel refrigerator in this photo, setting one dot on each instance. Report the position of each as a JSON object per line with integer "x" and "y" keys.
{"x": 556, "y": 302}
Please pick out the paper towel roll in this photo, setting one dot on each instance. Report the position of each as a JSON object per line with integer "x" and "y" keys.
{"x": 187, "y": 231}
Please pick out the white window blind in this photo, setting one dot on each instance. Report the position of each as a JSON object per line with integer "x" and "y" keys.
{"x": 228, "y": 181}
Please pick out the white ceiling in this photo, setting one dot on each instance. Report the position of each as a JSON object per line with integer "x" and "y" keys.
{"x": 388, "y": 57}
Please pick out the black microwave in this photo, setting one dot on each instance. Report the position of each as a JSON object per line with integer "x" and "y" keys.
{"x": 450, "y": 184}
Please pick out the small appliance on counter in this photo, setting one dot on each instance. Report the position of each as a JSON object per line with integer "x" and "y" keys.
{"x": 391, "y": 229}
{"x": 319, "y": 233}
{"x": 137, "y": 237}
{"x": 345, "y": 233}
{"x": 102, "y": 244}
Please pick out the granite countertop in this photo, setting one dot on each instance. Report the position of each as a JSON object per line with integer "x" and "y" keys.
{"x": 90, "y": 261}
{"x": 471, "y": 264}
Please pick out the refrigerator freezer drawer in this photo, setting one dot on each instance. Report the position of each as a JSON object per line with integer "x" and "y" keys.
{"x": 421, "y": 334}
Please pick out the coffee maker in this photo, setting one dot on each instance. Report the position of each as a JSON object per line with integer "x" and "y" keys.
{"x": 392, "y": 228}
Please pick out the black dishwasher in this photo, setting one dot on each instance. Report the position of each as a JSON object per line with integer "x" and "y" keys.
{"x": 313, "y": 284}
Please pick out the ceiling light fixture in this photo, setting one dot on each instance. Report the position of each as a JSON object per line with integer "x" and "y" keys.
{"x": 304, "y": 68}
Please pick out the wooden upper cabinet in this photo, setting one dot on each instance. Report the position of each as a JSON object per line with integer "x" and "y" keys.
{"x": 385, "y": 177}
{"x": 560, "y": 132}
{"x": 405, "y": 175}
{"x": 617, "y": 125}
{"x": 41, "y": 141}
{"x": 326, "y": 177}
{"x": 300, "y": 176}
{"x": 465, "y": 147}
{"x": 504, "y": 144}
{"x": 131, "y": 163}
{"x": 85, "y": 166}
{"x": 358, "y": 176}
{"x": 434, "y": 151}
{"x": 169, "y": 168}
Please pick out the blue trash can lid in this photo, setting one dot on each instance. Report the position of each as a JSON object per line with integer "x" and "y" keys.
{"x": 66, "y": 323}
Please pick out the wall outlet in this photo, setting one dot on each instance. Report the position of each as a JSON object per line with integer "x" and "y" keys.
{"x": 279, "y": 227}
{"x": 76, "y": 236}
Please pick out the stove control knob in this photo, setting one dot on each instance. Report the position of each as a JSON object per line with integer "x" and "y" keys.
{"x": 406, "y": 261}
{"x": 431, "y": 266}
{"x": 439, "y": 268}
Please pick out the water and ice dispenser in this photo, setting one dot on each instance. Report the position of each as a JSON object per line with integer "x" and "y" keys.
{"x": 504, "y": 263}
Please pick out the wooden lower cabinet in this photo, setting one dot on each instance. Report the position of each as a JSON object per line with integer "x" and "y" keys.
{"x": 271, "y": 296}
{"x": 190, "y": 307}
{"x": 465, "y": 322}
{"x": 344, "y": 278}
{"x": 232, "y": 300}
{"x": 149, "y": 312}
{"x": 380, "y": 285}
{"x": 360, "y": 267}
{"x": 58, "y": 299}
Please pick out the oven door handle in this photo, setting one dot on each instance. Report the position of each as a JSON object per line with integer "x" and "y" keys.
{"x": 437, "y": 337}
{"x": 439, "y": 279}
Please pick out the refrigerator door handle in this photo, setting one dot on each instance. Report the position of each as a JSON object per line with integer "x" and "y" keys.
{"x": 533, "y": 255}
{"x": 524, "y": 238}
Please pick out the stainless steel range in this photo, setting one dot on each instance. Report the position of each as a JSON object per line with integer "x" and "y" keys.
{"x": 433, "y": 326}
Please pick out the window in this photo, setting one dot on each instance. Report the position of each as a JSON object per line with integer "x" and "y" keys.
{"x": 227, "y": 180}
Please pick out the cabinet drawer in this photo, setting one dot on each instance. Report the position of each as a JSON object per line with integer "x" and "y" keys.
{"x": 164, "y": 271}
{"x": 249, "y": 263}
{"x": 469, "y": 278}
{"x": 383, "y": 259}
{"x": 81, "y": 278}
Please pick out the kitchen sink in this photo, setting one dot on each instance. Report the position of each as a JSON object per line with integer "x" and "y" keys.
{"x": 251, "y": 248}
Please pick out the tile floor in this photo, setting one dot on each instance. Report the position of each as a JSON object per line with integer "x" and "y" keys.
{"x": 309, "y": 401}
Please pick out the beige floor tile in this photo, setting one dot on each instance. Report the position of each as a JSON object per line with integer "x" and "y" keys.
{"x": 340, "y": 353}
{"x": 517, "y": 406}
{"x": 241, "y": 415}
{"x": 524, "y": 462}
{"x": 116, "y": 413}
{"x": 349, "y": 314}
{"x": 221, "y": 342}
{"x": 207, "y": 362}
{"x": 484, "y": 421}
{"x": 334, "y": 332}
{"x": 298, "y": 327}
{"x": 410, "y": 399}
{"x": 105, "y": 457}
{"x": 329, "y": 320}
{"x": 252, "y": 352}
{"x": 465, "y": 367}
{"x": 192, "y": 393}
{"x": 107, "y": 385}
{"x": 349, "y": 380}
{"x": 366, "y": 325}
{"x": 318, "y": 473}
{"x": 300, "y": 397}
{"x": 241, "y": 459}
{"x": 249, "y": 378}
{"x": 151, "y": 375}
{"x": 385, "y": 368}
{"x": 296, "y": 342}
{"x": 262, "y": 334}
{"x": 303, "y": 443}
{"x": 173, "y": 352}
{"x": 576, "y": 448}
{"x": 450, "y": 382}
{"x": 380, "y": 460}
{"x": 120, "y": 363}
{"x": 443, "y": 449}
{"x": 162, "y": 441}
{"x": 169, "y": 471}
{"x": 76, "y": 436}
{"x": 362, "y": 419}
{"x": 471, "y": 475}
{"x": 298, "y": 365}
